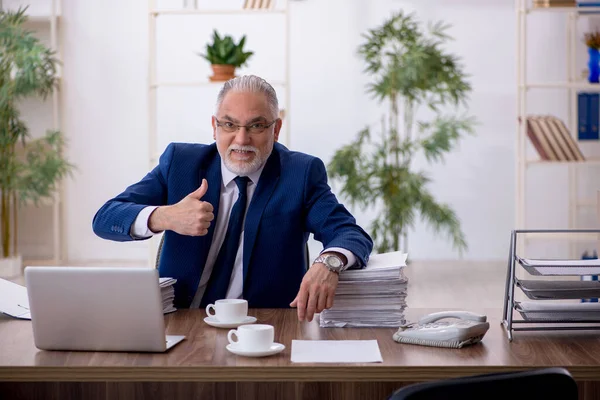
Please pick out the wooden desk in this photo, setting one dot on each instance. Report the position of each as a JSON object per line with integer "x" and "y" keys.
{"x": 201, "y": 367}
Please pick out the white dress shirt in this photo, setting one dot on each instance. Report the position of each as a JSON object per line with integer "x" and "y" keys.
{"x": 229, "y": 194}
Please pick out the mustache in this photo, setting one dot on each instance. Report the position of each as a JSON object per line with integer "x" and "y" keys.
{"x": 241, "y": 148}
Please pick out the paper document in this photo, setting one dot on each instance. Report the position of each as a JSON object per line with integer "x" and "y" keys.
{"x": 374, "y": 296}
{"x": 561, "y": 267}
{"x": 561, "y": 263}
{"x": 167, "y": 292}
{"x": 335, "y": 351}
{"x": 387, "y": 260}
{"x": 14, "y": 300}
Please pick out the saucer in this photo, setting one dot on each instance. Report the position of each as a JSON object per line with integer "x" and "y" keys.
{"x": 274, "y": 349}
{"x": 212, "y": 321}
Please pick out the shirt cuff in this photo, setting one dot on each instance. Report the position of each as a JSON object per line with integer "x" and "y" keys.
{"x": 349, "y": 255}
{"x": 139, "y": 229}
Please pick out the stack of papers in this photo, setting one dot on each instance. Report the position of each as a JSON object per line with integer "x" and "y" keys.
{"x": 374, "y": 296}
{"x": 167, "y": 292}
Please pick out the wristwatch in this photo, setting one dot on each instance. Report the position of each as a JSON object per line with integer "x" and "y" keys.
{"x": 331, "y": 261}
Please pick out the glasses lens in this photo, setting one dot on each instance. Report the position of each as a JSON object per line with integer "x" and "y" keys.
{"x": 228, "y": 127}
{"x": 257, "y": 128}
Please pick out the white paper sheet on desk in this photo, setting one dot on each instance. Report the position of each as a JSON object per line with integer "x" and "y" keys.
{"x": 335, "y": 351}
{"x": 14, "y": 300}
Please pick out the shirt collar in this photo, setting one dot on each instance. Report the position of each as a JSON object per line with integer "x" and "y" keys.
{"x": 229, "y": 176}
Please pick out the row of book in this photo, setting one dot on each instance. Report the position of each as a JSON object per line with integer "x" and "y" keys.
{"x": 552, "y": 139}
{"x": 588, "y": 116}
{"x": 374, "y": 296}
{"x": 566, "y": 3}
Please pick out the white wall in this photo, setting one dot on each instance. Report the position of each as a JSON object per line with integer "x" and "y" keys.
{"x": 105, "y": 50}
{"x": 105, "y": 93}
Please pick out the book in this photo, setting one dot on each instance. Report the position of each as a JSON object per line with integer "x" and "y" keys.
{"x": 558, "y": 124}
{"x": 537, "y": 144}
{"x": 588, "y": 116}
{"x": 554, "y": 3}
{"x": 552, "y": 139}
{"x": 545, "y": 150}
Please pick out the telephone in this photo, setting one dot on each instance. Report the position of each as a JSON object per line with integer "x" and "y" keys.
{"x": 467, "y": 328}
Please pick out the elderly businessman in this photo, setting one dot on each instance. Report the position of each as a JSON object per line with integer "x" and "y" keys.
{"x": 236, "y": 214}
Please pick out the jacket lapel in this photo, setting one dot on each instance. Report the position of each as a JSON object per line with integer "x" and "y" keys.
{"x": 266, "y": 184}
{"x": 212, "y": 196}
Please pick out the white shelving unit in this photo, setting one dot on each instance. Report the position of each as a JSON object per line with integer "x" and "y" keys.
{"x": 50, "y": 21}
{"x": 571, "y": 85}
{"x": 154, "y": 85}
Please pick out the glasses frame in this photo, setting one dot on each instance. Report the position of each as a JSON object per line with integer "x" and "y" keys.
{"x": 237, "y": 127}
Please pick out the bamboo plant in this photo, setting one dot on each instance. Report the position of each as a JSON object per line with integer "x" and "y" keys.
{"x": 30, "y": 170}
{"x": 410, "y": 70}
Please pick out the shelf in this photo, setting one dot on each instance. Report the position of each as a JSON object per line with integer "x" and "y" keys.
{"x": 562, "y": 85}
{"x": 580, "y": 237}
{"x": 42, "y": 18}
{"x": 202, "y": 83}
{"x": 579, "y": 10}
{"x": 39, "y": 262}
{"x": 588, "y": 162}
{"x": 586, "y": 203}
{"x": 216, "y": 11}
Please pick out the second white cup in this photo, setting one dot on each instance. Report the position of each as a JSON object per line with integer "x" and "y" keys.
{"x": 252, "y": 337}
{"x": 228, "y": 310}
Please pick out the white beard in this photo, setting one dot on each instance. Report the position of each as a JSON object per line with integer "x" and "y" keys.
{"x": 244, "y": 168}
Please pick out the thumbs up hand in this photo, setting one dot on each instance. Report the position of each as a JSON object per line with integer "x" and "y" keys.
{"x": 191, "y": 216}
{"x": 201, "y": 191}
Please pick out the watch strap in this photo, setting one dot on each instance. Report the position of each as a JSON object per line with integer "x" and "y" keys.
{"x": 322, "y": 257}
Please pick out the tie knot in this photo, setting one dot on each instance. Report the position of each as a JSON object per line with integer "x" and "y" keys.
{"x": 241, "y": 182}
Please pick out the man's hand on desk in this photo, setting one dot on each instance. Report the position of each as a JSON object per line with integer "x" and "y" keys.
{"x": 316, "y": 291}
{"x": 189, "y": 217}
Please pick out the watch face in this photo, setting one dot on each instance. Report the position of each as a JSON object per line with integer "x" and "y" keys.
{"x": 334, "y": 262}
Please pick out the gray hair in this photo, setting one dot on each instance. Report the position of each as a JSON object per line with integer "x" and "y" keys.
{"x": 252, "y": 84}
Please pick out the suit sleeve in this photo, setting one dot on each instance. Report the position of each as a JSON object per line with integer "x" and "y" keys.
{"x": 115, "y": 218}
{"x": 329, "y": 221}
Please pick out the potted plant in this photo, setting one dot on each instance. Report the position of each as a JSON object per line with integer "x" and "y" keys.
{"x": 29, "y": 169}
{"x": 224, "y": 56}
{"x": 410, "y": 70}
{"x": 592, "y": 41}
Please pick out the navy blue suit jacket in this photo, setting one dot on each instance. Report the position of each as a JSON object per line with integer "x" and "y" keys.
{"x": 291, "y": 200}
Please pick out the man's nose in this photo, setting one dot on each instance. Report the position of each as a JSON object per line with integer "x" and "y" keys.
{"x": 242, "y": 136}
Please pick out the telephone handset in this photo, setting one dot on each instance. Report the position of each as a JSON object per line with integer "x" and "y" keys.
{"x": 463, "y": 329}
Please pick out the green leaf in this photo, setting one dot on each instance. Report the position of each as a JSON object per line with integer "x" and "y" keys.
{"x": 224, "y": 50}
{"x": 408, "y": 66}
{"x": 29, "y": 168}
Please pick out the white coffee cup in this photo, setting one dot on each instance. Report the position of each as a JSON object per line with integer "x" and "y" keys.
{"x": 229, "y": 310}
{"x": 252, "y": 337}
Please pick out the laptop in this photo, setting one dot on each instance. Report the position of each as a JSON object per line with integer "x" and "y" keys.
{"x": 97, "y": 309}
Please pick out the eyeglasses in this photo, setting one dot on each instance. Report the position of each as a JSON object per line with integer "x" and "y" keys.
{"x": 254, "y": 128}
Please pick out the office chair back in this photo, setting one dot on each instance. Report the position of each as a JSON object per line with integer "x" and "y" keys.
{"x": 547, "y": 384}
{"x": 162, "y": 240}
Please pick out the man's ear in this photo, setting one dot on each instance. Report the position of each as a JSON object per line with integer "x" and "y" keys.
{"x": 277, "y": 129}
{"x": 213, "y": 121}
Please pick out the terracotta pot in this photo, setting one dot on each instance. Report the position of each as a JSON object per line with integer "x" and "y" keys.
{"x": 222, "y": 72}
